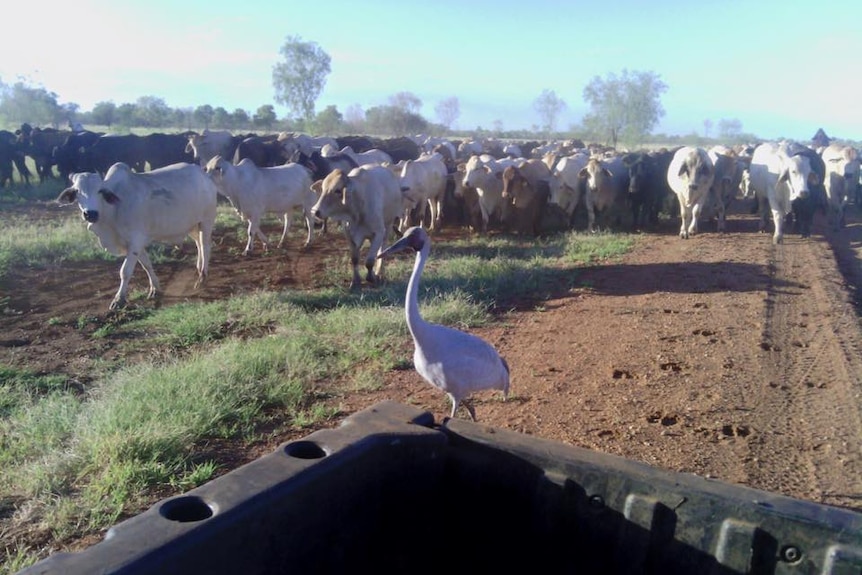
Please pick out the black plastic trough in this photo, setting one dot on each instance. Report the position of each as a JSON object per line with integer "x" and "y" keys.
{"x": 391, "y": 491}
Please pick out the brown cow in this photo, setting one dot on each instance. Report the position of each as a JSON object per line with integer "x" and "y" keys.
{"x": 526, "y": 186}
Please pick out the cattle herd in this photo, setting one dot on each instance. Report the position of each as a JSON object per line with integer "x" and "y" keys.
{"x": 133, "y": 190}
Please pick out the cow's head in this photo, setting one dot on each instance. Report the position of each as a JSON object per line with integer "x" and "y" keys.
{"x": 87, "y": 189}
{"x": 797, "y": 175}
{"x": 335, "y": 191}
{"x": 697, "y": 170}
{"x": 512, "y": 181}
{"x": 216, "y": 168}
{"x": 594, "y": 174}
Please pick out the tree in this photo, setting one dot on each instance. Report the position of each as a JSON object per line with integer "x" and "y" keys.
{"x": 625, "y": 107}
{"x": 221, "y": 118}
{"x": 24, "y": 103}
{"x": 126, "y": 115}
{"x": 151, "y": 111}
{"x": 406, "y": 101}
{"x": 393, "y": 121}
{"x": 264, "y": 117}
{"x": 707, "y": 126}
{"x": 354, "y": 117}
{"x": 447, "y": 111}
{"x": 729, "y": 129}
{"x": 548, "y": 105}
{"x": 104, "y": 113}
{"x": 329, "y": 121}
{"x": 203, "y": 115}
{"x": 300, "y": 78}
{"x": 239, "y": 119}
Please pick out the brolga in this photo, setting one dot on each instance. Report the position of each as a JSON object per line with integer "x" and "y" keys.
{"x": 451, "y": 360}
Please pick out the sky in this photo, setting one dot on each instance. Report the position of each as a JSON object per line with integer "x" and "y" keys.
{"x": 782, "y": 68}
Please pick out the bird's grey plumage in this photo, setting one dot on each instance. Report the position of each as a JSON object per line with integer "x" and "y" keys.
{"x": 456, "y": 362}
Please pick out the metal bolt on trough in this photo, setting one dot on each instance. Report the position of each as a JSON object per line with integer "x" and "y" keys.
{"x": 393, "y": 491}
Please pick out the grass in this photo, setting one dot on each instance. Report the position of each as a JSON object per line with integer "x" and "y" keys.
{"x": 74, "y": 461}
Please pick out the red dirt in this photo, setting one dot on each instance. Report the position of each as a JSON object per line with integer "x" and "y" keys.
{"x": 721, "y": 355}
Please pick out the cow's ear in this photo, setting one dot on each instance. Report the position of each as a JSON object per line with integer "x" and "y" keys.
{"x": 67, "y": 196}
{"x": 583, "y": 173}
{"x": 317, "y": 187}
{"x": 110, "y": 196}
{"x": 683, "y": 170}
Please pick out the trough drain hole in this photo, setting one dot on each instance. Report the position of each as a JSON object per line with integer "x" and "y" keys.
{"x": 305, "y": 450}
{"x": 186, "y": 510}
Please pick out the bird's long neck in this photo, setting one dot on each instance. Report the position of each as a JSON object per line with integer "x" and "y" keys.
{"x": 411, "y": 303}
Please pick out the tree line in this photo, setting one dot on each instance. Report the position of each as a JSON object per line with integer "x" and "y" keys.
{"x": 624, "y": 109}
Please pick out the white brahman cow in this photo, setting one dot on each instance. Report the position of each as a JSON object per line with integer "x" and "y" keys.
{"x": 423, "y": 181}
{"x": 255, "y": 191}
{"x": 606, "y": 186}
{"x": 368, "y": 201}
{"x": 485, "y": 174}
{"x": 567, "y": 188}
{"x": 690, "y": 176}
{"x": 210, "y": 144}
{"x": 127, "y": 211}
{"x": 842, "y": 174}
{"x": 368, "y": 157}
{"x": 783, "y": 177}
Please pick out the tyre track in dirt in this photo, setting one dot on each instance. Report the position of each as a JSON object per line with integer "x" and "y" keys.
{"x": 809, "y": 401}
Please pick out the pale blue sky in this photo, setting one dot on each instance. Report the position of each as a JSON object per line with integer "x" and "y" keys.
{"x": 782, "y": 68}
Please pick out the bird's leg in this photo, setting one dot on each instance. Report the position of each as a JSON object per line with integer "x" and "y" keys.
{"x": 454, "y": 406}
{"x": 469, "y": 407}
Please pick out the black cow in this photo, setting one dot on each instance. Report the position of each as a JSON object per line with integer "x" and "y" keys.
{"x": 160, "y": 150}
{"x": 648, "y": 187}
{"x": 264, "y": 151}
{"x": 11, "y": 155}
{"x": 400, "y": 149}
{"x": 321, "y": 165}
{"x": 68, "y": 156}
{"x": 39, "y": 144}
{"x": 110, "y": 149}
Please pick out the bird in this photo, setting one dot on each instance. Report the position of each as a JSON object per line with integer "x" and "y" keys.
{"x": 451, "y": 360}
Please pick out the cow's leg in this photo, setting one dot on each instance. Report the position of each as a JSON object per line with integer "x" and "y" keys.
{"x": 204, "y": 241}
{"x": 683, "y": 216}
{"x": 126, "y": 271}
{"x": 722, "y": 215}
{"x": 483, "y": 209}
{"x": 371, "y": 260}
{"x": 288, "y": 218}
{"x": 436, "y": 213}
{"x": 695, "y": 215}
{"x": 144, "y": 258}
{"x": 778, "y": 221}
{"x": 254, "y": 232}
{"x": 356, "y": 282}
{"x": 591, "y": 212}
{"x": 309, "y": 224}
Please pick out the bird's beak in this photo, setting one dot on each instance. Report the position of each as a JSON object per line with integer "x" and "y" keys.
{"x": 399, "y": 246}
